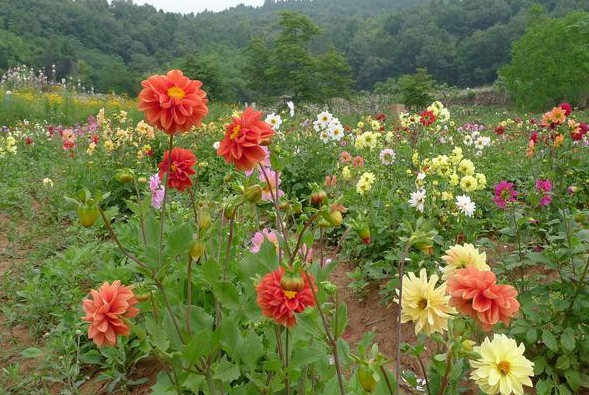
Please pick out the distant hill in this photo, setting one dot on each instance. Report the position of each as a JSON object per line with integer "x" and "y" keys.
{"x": 112, "y": 46}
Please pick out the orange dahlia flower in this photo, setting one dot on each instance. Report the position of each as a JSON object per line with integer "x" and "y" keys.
{"x": 106, "y": 312}
{"x": 172, "y": 102}
{"x": 241, "y": 144}
{"x": 181, "y": 168}
{"x": 280, "y": 303}
{"x": 475, "y": 294}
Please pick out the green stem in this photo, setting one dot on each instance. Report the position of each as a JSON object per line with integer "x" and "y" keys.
{"x": 274, "y": 197}
{"x": 117, "y": 241}
{"x": 163, "y": 212}
{"x": 140, "y": 211}
{"x": 189, "y": 295}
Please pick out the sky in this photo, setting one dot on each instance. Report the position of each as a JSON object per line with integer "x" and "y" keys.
{"x": 188, "y": 6}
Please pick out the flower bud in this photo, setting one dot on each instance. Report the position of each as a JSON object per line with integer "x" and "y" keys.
{"x": 204, "y": 220}
{"x": 297, "y": 207}
{"x": 253, "y": 193}
{"x": 467, "y": 345}
{"x": 318, "y": 197}
{"x": 292, "y": 280}
{"x": 87, "y": 215}
{"x": 143, "y": 297}
{"x": 366, "y": 378}
{"x": 329, "y": 287}
{"x": 197, "y": 249}
{"x": 142, "y": 180}
{"x": 228, "y": 177}
{"x": 125, "y": 177}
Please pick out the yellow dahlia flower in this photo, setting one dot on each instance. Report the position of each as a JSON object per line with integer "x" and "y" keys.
{"x": 424, "y": 304}
{"x": 502, "y": 367}
{"x": 461, "y": 256}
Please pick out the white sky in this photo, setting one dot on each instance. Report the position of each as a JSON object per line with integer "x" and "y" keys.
{"x": 187, "y": 6}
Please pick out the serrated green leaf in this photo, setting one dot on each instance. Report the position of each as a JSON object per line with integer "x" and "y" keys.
{"x": 563, "y": 362}
{"x": 573, "y": 379}
{"x": 550, "y": 341}
{"x": 568, "y": 340}
{"x": 226, "y": 371}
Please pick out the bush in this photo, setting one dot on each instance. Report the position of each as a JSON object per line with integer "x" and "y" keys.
{"x": 550, "y": 63}
{"x": 416, "y": 89}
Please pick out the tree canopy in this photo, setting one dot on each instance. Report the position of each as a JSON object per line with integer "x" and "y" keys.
{"x": 112, "y": 45}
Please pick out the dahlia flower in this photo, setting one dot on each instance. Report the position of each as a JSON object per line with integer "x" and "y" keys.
{"x": 427, "y": 118}
{"x": 465, "y": 205}
{"x": 387, "y": 156}
{"x": 504, "y": 193}
{"x": 259, "y": 238}
{"x": 424, "y": 304}
{"x": 172, "y": 102}
{"x": 241, "y": 144}
{"x": 417, "y": 199}
{"x": 280, "y": 303}
{"x": 461, "y": 256}
{"x": 475, "y": 294}
{"x": 271, "y": 185}
{"x": 181, "y": 168}
{"x": 106, "y": 312}
{"x": 502, "y": 367}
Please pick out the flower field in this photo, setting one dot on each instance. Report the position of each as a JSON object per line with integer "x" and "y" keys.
{"x": 169, "y": 244}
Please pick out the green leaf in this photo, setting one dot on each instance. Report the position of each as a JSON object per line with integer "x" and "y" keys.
{"x": 31, "y": 352}
{"x": 543, "y": 387}
{"x": 568, "y": 340}
{"x": 550, "y": 341}
{"x": 563, "y": 390}
{"x": 531, "y": 336}
{"x": 563, "y": 362}
{"x": 226, "y": 371}
{"x": 574, "y": 379}
{"x": 199, "y": 346}
{"x": 157, "y": 335}
{"x": 228, "y": 295}
{"x": 342, "y": 320}
{"x": 306, "y": 356}
{"x": 193, "y": 382}
{"x": 179, "y": 240}
{"x": 211, "y": 270}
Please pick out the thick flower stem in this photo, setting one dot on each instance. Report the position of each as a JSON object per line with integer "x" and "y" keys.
{"x": 140, "y": 211}
{"x": 210, "y": 383}
{"x": 160, "y": 286}
{"x": 300, "y": 238}
{"x": 278, "y": 215}
{"x": 449, "y": 361}
{"x": 163, "y": 212}
{"x": 398, "y": 353}
{"x": 286, "y": 379}
{"x": 117, "y": 241}
{"x": 387, "y": 381}
{"x": 332, "y": 342}
{"x": 189, "y": 295}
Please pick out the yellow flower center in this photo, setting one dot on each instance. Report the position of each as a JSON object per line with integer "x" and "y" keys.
{"x": 173, "y": 168}
{"x": 236, "y": 131}
{"x": 176, "y": 92}
{"x": 290, "y": 294}
{"x": 422, "y": 304}
{"x": 504, "y": 367}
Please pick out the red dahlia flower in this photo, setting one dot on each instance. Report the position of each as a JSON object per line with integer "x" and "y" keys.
{"x": 241, "y": 144}
{"x": 474, "y": 293}
{"x": 106, "y": 312}
{"x": 566, "y": 107}
{"x": 172, "y": 102}
{"x": 280, "y": 302}
{"x": 181, "y": 169}
{"x": 427, "y": 118}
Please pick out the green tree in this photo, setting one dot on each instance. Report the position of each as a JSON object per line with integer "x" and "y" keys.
{"x": 206, "y": 69}
{"x": 292, "y": 70}
{"x": 416, "y": 89}
{"x": 550, "y": 63}
{"x": 255, "y": 69}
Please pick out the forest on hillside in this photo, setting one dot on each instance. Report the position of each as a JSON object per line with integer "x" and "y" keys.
{"x": 112, "y": 46}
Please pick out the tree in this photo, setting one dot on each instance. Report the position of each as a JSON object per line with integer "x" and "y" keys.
{"x": 550, "y": 63}
{"x": 206, "y": 69}
{"x": 416, "y": 88}
{"x": 292, "y": 65}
